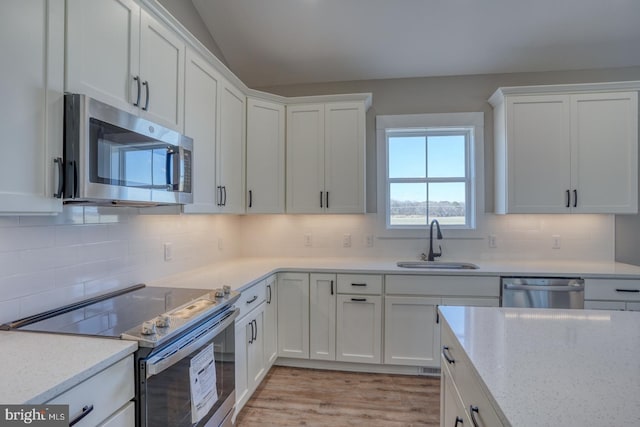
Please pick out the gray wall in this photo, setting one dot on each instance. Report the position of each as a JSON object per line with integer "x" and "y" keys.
{"x": 185, "y": 12}
{"x": 445, "y": 95}
{"x": 627, "y": 239}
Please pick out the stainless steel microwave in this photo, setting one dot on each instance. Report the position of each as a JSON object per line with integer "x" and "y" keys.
{"x": 116, "y": 158}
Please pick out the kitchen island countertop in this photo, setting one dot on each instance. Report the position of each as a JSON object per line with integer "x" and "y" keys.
{"x": 241, "y": 273}
{"x": 542, "y": 367}
{"x": 36, "y": 367}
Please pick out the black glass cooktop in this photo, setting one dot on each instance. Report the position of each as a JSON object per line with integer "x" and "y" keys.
{"x": 117, "y": 314}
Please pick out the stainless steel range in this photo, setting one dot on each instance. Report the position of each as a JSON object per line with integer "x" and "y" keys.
{"x": 185, "y": 363}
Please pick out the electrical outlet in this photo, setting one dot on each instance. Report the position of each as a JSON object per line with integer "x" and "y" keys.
{"x": 168, "y": 251}
{"x": 492, "y": 241}
{"x": 369, "y": 240}
{"x": 307, "y": 240}
{"x": 556, "y": 241}
{"x": 346, "y": 241}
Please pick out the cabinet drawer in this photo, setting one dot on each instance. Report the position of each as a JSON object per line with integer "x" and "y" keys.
{"x": 428, "y": 285}
{"x": 107, "y": 391}
{"x": 475, "y": 401}
{"x": 368, "y": 284}
{"x": 251, "y": 298}
{"x": 125, "y": 417}
{"x": 612, "y": 289}
{"x": 450, "y": 352}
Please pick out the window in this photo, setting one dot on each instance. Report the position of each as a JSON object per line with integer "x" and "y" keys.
{"x": 428, "y": 164}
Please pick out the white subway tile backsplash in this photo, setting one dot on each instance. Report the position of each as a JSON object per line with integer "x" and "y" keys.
{"x": 85, "y": 251}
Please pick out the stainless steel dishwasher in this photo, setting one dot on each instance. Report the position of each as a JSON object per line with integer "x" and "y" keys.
{"x": 543, "y": 292}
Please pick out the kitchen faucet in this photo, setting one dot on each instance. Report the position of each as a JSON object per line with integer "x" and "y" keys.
{"x": 433, "y": 255}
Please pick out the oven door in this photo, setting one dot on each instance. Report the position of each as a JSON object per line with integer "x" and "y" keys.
{"x": 178, "y": 385}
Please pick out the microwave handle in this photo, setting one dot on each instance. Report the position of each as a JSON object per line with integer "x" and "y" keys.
{"x": 168, "y": 169}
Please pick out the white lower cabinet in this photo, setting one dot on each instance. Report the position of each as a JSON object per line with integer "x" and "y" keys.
{"x": 251, "y": 364}
{"x": 612, "y": 294}
{"x": 359, "y": 328}
{"x": 462, "y": 399}
{"x": 409, "y": 335}
{"x": 108, "y": 392}
{"x": 411, "y": 321}
{"x": 293, "y": 315}
{"x": 322, "y": 316}
{"x": 271, "y": 322}
{"x": 125, "y": 417}
{"x": 451, "y": 407}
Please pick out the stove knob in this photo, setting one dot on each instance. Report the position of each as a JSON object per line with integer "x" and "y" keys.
{"x": 163, "y": 321}
{"x": 219, "y": 293}
{"x": 226, "y": 289}
{"x": 148, "y": 328}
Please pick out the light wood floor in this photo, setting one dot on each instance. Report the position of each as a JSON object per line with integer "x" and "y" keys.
{"x": 310, "y": 397}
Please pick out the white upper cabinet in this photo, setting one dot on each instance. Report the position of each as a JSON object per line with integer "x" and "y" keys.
{"x": 265, "y": 157}
{"x": 119, "y": 54}
{"x": 604, "y": 166}
{"x": 230, "y": 153}
{"x": 162, "y": 73}
{"x": 32, "y": 70}
{"x": 325, "y": 158}
{"x": 569, "y": 150}
{"x": 202, "y": 84}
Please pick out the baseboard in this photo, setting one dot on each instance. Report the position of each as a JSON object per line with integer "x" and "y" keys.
{"x": 357, "y": 367}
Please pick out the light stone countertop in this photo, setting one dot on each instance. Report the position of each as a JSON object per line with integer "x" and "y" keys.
{"x": 36, "y": 367}
{"x": 571, "y": 368}
{"x": 241, "y": 273}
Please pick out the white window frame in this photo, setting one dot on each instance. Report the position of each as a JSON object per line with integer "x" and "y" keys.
{"x": 474, "y": 122}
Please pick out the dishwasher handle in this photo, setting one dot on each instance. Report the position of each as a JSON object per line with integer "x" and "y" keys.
{"x": 572, "y": 287}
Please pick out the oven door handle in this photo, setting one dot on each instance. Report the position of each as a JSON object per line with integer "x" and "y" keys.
{"x": 159, "y": 363}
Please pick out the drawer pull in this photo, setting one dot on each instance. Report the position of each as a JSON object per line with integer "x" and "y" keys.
{"x": 255, "y": 297}
{"x": 458, "y": 421}
{"x": 269, "y": 299}
{"x": 473, "y": 410}
{"x": 448, "y": 358}
{"x": 359, "y": 299}
{"x": 631, "y": 291}
{"x": 358, "y": 284}
{"x": 85, "y": 411}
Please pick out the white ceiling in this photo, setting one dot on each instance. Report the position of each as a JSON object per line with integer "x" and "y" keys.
{"x": 274, "y": 42}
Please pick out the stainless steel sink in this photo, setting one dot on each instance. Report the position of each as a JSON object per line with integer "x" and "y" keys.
{"x": 438, "y": 264}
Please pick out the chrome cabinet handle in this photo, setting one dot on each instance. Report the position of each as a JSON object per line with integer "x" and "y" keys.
{"x": 269, "y": 299}
{"x": 251, "y": 339}
{"x": 146, "y": 102}
{"x": 473, "y": 410}
{"x": 219, "y": 188}
{"x": 255, "y": 297}
{"x": 137, "y": 80}
{"x": 458, "y": 421}
{"x": 255, "y": 337}
{"x": 60, "y": 163}
{"x": 224, "y": 191}
{"x": 85, "y": 411}
{"x": 448, "y": 358}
